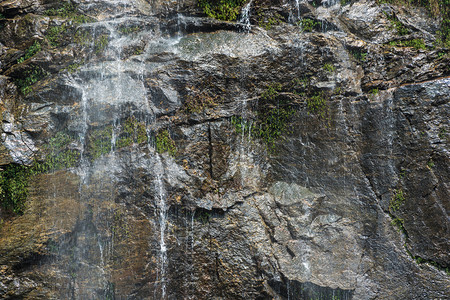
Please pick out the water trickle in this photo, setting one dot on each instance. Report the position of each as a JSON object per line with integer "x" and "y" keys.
{"x": 114, "y": 132}
{"x": 245, "y": 17}
{"x": 297, "y": 6}
{"x": 112, "y": 90}
{"x": 162, "y": 208}
{"x": 330, "y": 3}
{"x": 77, "y": 83}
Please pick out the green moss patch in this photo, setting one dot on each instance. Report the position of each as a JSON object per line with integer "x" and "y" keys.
{"x": 414, "y": 43}
{"x": 226, "y": 10}
{"x": 14, "y": 180}
{"x": 30, "y": 52}
{"x": 271, "y": 120}
{"x": 397, "y": 200}
{"x": 165, "y": 143}
{"x": 132, "y": 131}
{"x": 99, "y": 142}
{"x": 68, "y": 11}
{"x": 29, "y": 78}
{"x": 310, "y": 25}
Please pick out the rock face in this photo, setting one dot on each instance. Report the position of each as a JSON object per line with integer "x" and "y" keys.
{"x": 173, "y": 156}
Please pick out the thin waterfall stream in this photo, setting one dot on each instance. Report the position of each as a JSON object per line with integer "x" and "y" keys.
{"x": 162, "y": 206}
{"x": 106, "y": 82}
{"x": 245, "y": 16}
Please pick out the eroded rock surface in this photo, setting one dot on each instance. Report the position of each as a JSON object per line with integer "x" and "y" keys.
{"x": 179, "y": 157}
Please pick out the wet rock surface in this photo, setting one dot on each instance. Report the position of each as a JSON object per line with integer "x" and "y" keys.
{"x": 180, "y": 157}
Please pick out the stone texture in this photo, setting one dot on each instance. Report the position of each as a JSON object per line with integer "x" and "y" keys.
{"x": 309, "y": 218}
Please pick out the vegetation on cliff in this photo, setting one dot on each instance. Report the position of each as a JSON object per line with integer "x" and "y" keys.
{"x": 439, "y": 9}
{"x": 14, "y": 187}
{"x": 227, "y": 10}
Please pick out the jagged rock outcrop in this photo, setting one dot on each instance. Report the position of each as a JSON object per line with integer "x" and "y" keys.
{"x": 173, "y": 156}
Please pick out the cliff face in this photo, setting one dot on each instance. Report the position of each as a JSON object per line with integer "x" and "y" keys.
{"x": 150, "y": 152}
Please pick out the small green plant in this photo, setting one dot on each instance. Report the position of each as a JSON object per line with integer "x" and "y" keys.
{"x": 421, "y": 260}
{"x": 14, "y": 180}
{"x": 83, "y": 37}
{"x": 374, "y": 91}
{"x": 164, "y": 143}
{"x": 30, "y": 52}
{"x": 329, "y": 68}
{"x": 68, "y": 11}
{"x": 226, "y": 10}
{"x": 300, "y": 83}
{"x": 271, "y": 22}
{"x": 100, "y": 43}
{"x": 359, "y": 55}
{"x": 399, "y": 223}
{"x": 124, "y": 141}
{"x": 2, "y": 16}
{"x": 60, "y": 141}
{"x": 132, "y": 131}
{"x": 397, "y": 25}
{"x": 442, "y": 133}
{"x": 63, "y": 11}
{"x": 414, "y": 43}
{"x": 267, "y": 22}
{"x": 99, "y": 142}
{"x": 272, "y": 117}
{"x": 58, "y": 160}
{"x": 437, "y": 8}
{"x": 72, "y": 68}
{"x": 271, "y": 125}
{"x": 241, "y": 125}
{"x": 442, "y": 43}
{"x": 430, "y": 164}
{"x": 129, "y": 29}
{"x": 28, "y": 78}
{"x": 202, "y": 216}
{"x": 78, "y": 19}
{"x": 309, "y": 25}
{"x": 55, "y": 34}
{"x": 317, "y": 105}
{"x": 397, "y": 200}
{"x": 272, "y": 91}
{"x": 59, "y": 155}
{"x": 442, "y": 54}
{"x": 337, "y": 91}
